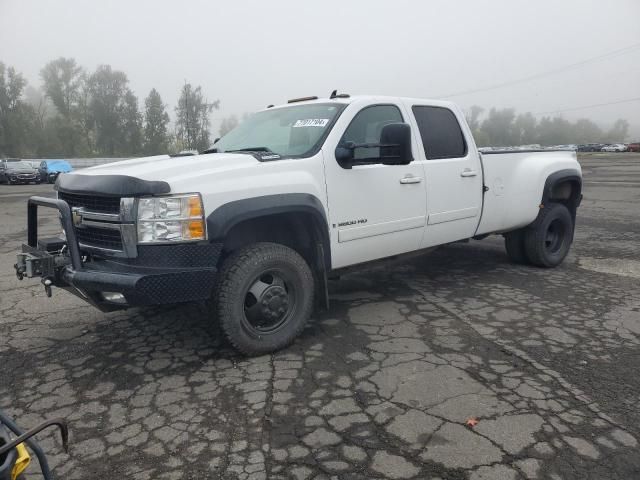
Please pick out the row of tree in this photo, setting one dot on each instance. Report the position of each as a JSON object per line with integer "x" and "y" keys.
{"x": 80, "y": 114}
{"x": 501, "y": 128}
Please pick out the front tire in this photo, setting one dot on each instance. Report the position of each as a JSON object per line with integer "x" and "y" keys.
{"x": 548, "y": 240}
{"x": 264, "y": 297}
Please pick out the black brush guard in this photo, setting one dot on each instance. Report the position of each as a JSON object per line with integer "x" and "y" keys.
{"x": 33, "y": 262}
{"x": 59, "y": 262}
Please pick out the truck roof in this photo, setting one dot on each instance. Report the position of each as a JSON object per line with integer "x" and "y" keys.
{"x": 364, "y": 99}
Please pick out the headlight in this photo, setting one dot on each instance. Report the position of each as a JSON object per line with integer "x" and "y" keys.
{"x": 175, "y": 218}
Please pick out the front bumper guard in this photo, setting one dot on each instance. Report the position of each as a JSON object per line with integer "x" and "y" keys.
{"x": 38, "y": 262}
{"x": 60, "y": 263}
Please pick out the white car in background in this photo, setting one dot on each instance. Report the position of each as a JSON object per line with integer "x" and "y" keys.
{"x": 617, "y": 147}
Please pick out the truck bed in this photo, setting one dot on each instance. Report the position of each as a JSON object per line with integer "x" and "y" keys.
{"x": 515, "y": 180}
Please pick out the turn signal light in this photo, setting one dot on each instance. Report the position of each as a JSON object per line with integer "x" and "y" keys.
{"x": 194, "y": 205}
{"x": 195, "y": 230}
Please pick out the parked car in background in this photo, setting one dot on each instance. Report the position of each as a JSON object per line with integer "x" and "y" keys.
{"x": 50, "y": 169}
{"x": 616, "y": 147}
{"x": 633, "y": 147}
{"x": 590, "y": 147}
{"x": 19, "y": 172}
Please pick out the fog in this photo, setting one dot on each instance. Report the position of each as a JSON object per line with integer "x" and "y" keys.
{"x": 249, "y": 54}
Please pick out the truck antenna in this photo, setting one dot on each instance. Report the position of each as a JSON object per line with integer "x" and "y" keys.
{"x": 186, "y": 111}
{"x": 335, "y": 94}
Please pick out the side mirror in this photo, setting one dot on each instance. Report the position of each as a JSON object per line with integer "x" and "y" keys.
{"x": 395, "y": 144}
{"x": 394, "y": 148}
{"x": 345, "y": 154}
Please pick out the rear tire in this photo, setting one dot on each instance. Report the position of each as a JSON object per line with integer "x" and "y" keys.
{"x": 548, "y": 239}
{"x": 514, "y": 244}
{"x": 264, "y": 297}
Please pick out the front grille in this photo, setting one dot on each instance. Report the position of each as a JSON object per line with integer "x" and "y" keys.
{"x": 100, "y": 237}
{"x": 91, "y": 202}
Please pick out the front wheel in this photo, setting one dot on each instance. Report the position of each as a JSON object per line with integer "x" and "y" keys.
{"x": 547, "y": 241}
{"x": 264, "y": 297}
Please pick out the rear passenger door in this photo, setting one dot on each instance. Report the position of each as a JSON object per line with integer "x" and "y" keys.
{"x": 453, "y": 174}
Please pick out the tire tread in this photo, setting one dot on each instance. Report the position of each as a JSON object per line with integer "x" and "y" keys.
{"x": 533, "y": 241}
{"x": 238, "y": 264}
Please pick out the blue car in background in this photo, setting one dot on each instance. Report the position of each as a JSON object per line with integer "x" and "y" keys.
{"x": 50, "y": 169}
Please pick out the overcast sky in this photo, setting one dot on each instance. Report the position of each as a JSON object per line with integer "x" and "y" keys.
{"x": 249, "y": 54}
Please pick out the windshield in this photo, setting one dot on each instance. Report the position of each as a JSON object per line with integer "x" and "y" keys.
{"x": 19, "y": 166}
{"x": 293, "y": 131}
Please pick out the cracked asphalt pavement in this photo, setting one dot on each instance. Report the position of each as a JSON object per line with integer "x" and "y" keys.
{"x": 379, "y": 386}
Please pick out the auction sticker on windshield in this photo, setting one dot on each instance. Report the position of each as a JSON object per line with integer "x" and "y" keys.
{"x": 311, "y": 122}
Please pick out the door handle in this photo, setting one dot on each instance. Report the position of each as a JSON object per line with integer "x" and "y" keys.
{"x": 467, "y": 172}
{"x": 410, "y": 179}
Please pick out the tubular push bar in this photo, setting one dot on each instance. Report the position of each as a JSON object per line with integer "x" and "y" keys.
{"x": 67, "y": 224}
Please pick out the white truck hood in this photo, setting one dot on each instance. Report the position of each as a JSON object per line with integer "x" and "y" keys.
{"x": 173, "y": 169}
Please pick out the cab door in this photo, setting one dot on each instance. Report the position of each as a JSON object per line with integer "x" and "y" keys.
{"x": 453, "y": 173}
{"x": 375, "y": 210}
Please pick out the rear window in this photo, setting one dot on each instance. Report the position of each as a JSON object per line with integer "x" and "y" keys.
{"x": 440, "y": 131}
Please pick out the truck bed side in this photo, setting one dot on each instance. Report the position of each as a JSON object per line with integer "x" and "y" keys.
{"x": 515, "y": 182}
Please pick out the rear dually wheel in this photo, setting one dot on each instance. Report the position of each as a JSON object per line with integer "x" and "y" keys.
{"x": 548, "y": 239}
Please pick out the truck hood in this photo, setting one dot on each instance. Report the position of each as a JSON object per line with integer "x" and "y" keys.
{"x": 173, "y": 169}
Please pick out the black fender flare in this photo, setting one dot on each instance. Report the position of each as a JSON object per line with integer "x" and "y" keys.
{"x": 567, "y": 175}
{"x": 225, "y": 217}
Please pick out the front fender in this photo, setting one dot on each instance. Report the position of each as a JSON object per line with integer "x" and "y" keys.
{"x": 225, "y": 217}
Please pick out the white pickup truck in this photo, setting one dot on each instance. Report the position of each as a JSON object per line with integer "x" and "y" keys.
{"x": 292, "y": 196}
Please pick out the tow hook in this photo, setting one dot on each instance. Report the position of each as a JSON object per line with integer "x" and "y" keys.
{"x": 29, "y": 266}
{"x": 47, "y": 286}
{"x": 20, "y": 269}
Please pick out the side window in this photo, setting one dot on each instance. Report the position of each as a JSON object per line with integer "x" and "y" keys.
{"x": 366, "y": 127}
{"x": 441, "y": 134}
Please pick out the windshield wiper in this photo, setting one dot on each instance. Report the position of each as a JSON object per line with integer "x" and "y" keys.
{"x": 261, "y": 153}
{"x": 252, "y": 149}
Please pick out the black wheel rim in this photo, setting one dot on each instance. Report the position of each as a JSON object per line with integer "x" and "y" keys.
{"x": 554, "y": 236}
{"x": 270, "y": 301}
